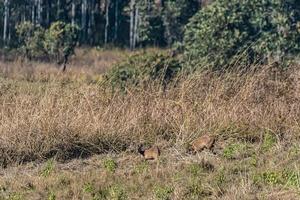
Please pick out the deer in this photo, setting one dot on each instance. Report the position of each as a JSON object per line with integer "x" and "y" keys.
{"x": 200, "y": 143}
{"x": 151, "y": 153}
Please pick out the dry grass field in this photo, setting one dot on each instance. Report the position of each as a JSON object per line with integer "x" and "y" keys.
{"x": 67, "y": 136}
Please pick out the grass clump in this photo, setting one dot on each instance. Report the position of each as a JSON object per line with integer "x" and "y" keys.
{"x": 163, "y": 192}
{"x": 117, "y": 192}
{"x": 142, "y": 167}
{"x": 195, "y": 169}
{"x": 284, "y": 177}
{"x": 195, "y": 190}
{"x": 51, "y": 196}
{"x": 232, "y": 150}
{"x": 110, "y": 165}
{"x": 269, "y": 141}
{"x": 48, "y": 168}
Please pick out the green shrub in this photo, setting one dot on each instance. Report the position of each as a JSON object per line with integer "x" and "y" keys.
{"x": 60, "y": 40}
{"x": 110, "y": 165}
{"x": 195, "y": 169}
{"x": 48, "y": 168}
{"x": 116, "y": 192}
{"x": 196, "y": 190}
{"x": 141, "y": 69}
{"x": 231, "y": 150}
{"x": 231, "y": 30}
{"x": 57, "y": 42}
{"x": 269, "y": 141}
{"x": 163, "y": 192}
{"x": 51, "y": 196}
{"x": 142, "y": 167}
{"x": 268, "y": 177}
{"x": 31, "y": 40}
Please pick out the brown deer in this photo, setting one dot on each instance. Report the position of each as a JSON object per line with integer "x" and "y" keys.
{"x": 205, "y": 141}
{"x": 149, "y": 154}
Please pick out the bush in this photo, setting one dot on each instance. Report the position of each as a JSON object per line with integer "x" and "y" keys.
{"x": 32, "y": 40}
{"x": 57, "y": 42}
{"x": 250, "y": 30}
{"x": 60, "y": 40}
{"x": 141, "y": 69}
{"x": 110, "y": 165}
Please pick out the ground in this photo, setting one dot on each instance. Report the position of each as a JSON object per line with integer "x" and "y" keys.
{"x": 68, "y": 136}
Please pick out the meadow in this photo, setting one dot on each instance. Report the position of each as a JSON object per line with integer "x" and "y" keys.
{"x": 68, "y": 136}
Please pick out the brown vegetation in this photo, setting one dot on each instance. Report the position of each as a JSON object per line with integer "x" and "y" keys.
{"x": 255, "y": 115}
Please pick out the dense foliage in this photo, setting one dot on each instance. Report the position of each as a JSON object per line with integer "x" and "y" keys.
{"x": 103, "y": 22}
{"x": 57, "y": 42}
{"x": 60, "y": 40}
{"x": 31, "y": 40}
{"x": 251, "y": 30}
{"x": 142, "y": 69}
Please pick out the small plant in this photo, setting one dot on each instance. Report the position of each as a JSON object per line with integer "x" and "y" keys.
{"x": 142, "y": 167}
{"x": 48, "y": 169}
{"x": 195, "y": 190}
{"x": 163, "y": 192}
{"x": 51, "y": 196}
{"x": 110, "y": 165}
{"x": 220, "y": 177}
{"x": 253, "y": 160}
{"x": 96, "y": 194}
{"x": 195, "y": 169}
{"x": 116, "y": 192}
{"x": 231, "y": 150}
{"x": 269, "y": 141}
{"x": 88, "y": 188}
{"x": 268, "y": 177}
{"x": 294, "y": 150}
{"x": 292, "y": 178}
{"x": 15, "y": 196}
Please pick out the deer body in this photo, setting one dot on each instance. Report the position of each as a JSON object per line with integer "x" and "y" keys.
{"x": 150, "y": 154}
{"x": 202, "y": 142}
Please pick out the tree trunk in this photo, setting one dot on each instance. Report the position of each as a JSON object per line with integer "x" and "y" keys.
{"x": 6, "y": 21}
{"x": 73, "y": 12}
{"x": 83, "y": 19}
{"x": 106, "y": 21}
{"x": 116, "y": 20}
{"x": 58, "y": 9}
{"x": 136, "y": 24}
{"x": 131, "y": 29}
{"x": 39, "y": 12}
{"x": 48, "y": 12}
{"x": 33, "y": 19}
{"x": 24, "y": 13}
{"x": 91, "y": 31}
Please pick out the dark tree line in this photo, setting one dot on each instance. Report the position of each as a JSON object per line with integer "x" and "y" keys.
{"x": 129, "y": 23}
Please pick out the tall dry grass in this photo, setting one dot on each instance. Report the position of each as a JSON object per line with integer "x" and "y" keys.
{"x": 44, "y": 113}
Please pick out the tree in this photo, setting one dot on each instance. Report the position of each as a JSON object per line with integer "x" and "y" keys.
{"x": 107, "y": 6}
{"x": 176, "y": 14}
{"x": 142, "y": 22}
{"x": 248, "y": 31}
{"x": 6, "y": 21}
{"x": 60, "y": 41}
{"x": 84, "y": 19}
{"x": 131, "y": 29}
{"x": 31, "y": 40}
